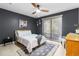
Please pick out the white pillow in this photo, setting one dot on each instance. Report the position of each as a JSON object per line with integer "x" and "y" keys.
{"x": 28, "y": 32}
{"x": 20, "y": 34}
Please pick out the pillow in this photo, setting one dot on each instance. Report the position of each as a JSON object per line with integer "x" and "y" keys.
{"x": 20, "y": 33}
{"x": 28, "y": 32}
{"x": 39, "y": 38}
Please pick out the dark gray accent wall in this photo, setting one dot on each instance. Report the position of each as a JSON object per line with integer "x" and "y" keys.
{"x": 78, "y": 16}
{"x": 70, "y": 19}
{"x": 9, "y": 22}
{"x": 39, "y": 27}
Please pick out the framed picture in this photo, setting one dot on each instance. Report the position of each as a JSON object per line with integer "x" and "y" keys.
{"x": 22, "y": 23}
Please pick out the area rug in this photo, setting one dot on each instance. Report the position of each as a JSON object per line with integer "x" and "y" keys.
{"x": 21, "y": 53}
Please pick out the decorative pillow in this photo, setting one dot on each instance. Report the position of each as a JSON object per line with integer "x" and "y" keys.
{"x": 39, "y": 38}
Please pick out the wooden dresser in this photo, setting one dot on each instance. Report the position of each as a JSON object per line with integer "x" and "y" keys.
{"x": 72, "y": 44}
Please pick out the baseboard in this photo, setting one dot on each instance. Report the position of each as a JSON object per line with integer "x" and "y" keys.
{"x": 7, "y": 43}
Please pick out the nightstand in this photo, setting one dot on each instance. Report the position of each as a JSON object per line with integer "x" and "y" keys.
{"x": 72, "y": 44}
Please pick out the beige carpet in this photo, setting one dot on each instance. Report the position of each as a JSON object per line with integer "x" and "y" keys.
{"x": 9, "y": 50}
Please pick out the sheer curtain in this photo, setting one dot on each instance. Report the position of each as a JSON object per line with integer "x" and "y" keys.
{"x": 46, "y": 30}
{"x": 52, "y": 27}
{"x": 56, "y": 27}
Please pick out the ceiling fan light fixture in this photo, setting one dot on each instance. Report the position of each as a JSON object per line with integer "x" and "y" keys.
{"x": 38, "y": 11}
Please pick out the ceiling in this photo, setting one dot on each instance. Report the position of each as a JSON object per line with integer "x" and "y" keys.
{"x": 27, "y": 8}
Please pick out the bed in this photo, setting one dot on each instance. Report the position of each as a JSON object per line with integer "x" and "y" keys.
{"x": 28, "y": 39}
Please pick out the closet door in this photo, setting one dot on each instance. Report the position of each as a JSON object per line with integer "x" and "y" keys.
{"x": 46, "y": 27}
{"x": 56, "y": 27}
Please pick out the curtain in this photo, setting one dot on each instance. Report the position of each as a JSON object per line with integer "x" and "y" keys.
{"x": 52, "y": 27}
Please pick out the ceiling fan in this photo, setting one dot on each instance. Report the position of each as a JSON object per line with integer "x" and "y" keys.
{"x": 38, "y": 9}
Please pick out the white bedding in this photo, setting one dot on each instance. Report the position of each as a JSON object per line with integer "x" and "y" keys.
{"x": 30, "y": 41}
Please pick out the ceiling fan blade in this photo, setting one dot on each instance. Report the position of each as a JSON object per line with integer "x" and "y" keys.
{"x": 34, "y": 5}
{"x": 44, "y": 10}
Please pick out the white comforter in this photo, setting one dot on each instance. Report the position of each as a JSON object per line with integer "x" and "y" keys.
{"x": 30, "y": 41}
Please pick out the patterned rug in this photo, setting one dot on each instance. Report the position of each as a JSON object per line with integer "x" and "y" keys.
{"x": 41, "y": 51}
{"x": 21, "y": 53}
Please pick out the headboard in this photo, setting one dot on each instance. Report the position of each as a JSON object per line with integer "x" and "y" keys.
{"x": 22, "y": 32}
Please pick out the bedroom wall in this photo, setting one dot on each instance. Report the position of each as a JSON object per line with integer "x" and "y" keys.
{"x": 39, "y": 27}
{"x": 9, "y": 22}
{"x": 69, "y": 20}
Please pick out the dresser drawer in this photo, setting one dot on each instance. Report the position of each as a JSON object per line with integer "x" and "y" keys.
{"x": 72, "y": 48}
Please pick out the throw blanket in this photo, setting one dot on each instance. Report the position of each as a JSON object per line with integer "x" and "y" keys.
{"x": 39, "y": 38}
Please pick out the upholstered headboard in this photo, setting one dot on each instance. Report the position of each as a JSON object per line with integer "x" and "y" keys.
{"x": 22, "y": 32}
